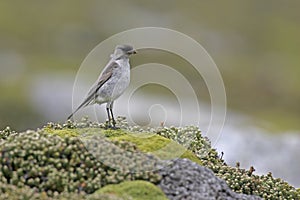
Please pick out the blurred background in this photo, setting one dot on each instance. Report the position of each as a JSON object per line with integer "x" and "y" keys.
{"x": 255, "y": 45}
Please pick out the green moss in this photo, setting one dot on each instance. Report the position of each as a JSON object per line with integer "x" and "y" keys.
{"x": 157, "y": 145}
{"x": 75, "y": 132}
{"x": 70, "y": 168}
{"x": 54, "y": 164}
{"x": 160, "y": 146}
{"x": 112, "y": 133}
{"x": 62, "y": 132}
{"x": 135, "y": 190}
{"x": 13, "y": 192}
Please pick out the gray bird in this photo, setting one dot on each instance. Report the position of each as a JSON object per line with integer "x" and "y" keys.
{"x": 112, "y": 82}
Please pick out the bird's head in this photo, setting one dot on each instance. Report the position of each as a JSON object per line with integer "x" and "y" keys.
{"x": 124, "y": 50}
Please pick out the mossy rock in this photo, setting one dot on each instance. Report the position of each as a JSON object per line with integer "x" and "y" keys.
{"x": 63, "y": 132}
{"x": 157, "y": 145}
{"x": 54, "y": 159}
{"x": 56, "y": 164}
{"x": 134, "y": 190}
{"x": 161, "y": 147}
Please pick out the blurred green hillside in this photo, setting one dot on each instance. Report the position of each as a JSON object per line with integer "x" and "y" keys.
{"x": 255, "y": 44}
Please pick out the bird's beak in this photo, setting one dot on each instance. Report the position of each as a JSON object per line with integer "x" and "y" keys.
{"x": 133, "y": 51}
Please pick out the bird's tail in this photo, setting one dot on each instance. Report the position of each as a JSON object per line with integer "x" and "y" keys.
{"x": 89, "y": 99}
{"x": 71, "y": 115}
{"x": 85, "y": 103}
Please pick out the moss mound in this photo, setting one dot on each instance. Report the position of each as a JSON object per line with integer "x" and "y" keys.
{"x": 135, "y": 190}
{"x": 81, "y": 158}
{"x": 53, "y": 164}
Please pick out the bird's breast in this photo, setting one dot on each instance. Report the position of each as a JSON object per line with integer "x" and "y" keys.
{"x": 116, "y": 85}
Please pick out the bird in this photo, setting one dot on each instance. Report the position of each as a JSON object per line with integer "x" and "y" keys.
{"x": 112, "y": 82}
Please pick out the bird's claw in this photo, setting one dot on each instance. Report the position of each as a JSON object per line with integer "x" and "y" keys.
{"x": 112, "y": 127}
{"x": 109, "y": 126}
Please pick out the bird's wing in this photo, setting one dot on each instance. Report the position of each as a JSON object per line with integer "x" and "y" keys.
{"x": 105, "y": 76}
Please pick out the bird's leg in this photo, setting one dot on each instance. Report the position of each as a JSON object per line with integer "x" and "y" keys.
{"x": 108, "y": 115}
{"x": 112, "y": 115}
{"x": 113, "y": 119}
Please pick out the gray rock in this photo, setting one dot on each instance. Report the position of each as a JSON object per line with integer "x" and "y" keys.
{"x": 184, "y": 179}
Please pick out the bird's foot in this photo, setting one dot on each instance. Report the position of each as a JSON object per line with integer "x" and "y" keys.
{"x": 115, "y": 128}
{"x": 111, "y": 127}
{"x": 111, "y": 124}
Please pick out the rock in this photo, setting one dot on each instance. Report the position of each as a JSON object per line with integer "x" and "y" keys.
{"x": 184, "y": 179}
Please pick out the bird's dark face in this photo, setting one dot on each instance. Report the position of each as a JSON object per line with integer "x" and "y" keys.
{"x": 126, "y": 49}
